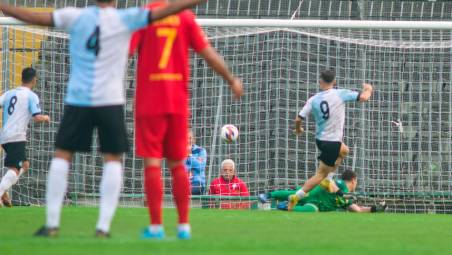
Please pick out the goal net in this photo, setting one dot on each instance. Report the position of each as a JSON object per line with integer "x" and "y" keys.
{"x": 400, "y": 141}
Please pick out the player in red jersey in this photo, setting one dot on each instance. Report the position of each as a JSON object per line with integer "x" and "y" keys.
{"x": 161, "y": 112}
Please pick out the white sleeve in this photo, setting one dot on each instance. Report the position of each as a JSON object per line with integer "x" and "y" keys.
{"x": 306, "y": 109}
{"x": 65, "y": 18}
{"x": 2, "y": 100}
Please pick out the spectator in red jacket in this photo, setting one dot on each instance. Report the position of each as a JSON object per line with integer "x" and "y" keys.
{"x": 228, "y": 184}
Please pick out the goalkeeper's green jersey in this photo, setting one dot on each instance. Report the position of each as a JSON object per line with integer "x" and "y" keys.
{"x": 327, "y": 201}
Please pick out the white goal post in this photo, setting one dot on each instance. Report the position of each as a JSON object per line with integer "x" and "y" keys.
{"x": 400, "y": 141}
{"x": 344, "y": 24}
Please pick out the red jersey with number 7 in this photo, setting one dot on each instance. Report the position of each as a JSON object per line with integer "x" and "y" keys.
{"x": 163, "y": 62}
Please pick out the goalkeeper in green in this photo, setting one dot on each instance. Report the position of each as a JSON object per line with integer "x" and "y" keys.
{"x": 329, "y": 195}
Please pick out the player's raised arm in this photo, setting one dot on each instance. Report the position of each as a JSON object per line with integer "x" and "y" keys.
{"x": 216, "y": 62}
{"x": 25, "y": 15}
{"x": 366, "y": 93}
{"x": 173, "y": 8}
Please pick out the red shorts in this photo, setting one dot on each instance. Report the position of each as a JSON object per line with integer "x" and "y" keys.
{"x": 161, "y": 136}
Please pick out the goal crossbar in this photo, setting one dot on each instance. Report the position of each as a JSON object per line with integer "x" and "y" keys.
{"x": 338, "y": 24}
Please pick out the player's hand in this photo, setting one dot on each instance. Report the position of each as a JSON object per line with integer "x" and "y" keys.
{"x": 46, "y": 118}
{"x": 298, "y": 131}
{"x": 367, "y": 86}
{"x": 237, "y": 88}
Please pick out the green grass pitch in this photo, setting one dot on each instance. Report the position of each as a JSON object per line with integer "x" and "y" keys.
{"x": 232, "y": 232}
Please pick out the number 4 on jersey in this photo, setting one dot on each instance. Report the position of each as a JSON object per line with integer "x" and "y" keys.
{"x": 93, "y": 43}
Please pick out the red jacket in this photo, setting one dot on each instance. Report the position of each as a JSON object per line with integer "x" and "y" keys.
{"x": 234, "y": 187}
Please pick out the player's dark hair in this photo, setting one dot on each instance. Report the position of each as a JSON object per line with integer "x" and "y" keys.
{"x": 28, "y": 74}
{"x": 348, "y": 175}
{"x": 327, "y": 76}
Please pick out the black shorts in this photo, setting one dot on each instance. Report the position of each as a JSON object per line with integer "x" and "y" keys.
{"x": 76, "y": 129}
{"x": 15, "y": 154}
{"x": 329, "y": 151}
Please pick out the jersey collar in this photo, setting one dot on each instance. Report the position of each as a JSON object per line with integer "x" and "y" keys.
{"x": 23, "y": 87}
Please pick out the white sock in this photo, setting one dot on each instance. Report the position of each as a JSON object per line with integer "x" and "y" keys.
{"x": 110, "y": 189}
{"x": 184, "y": 227}
{"x": 330, "y": 176}
{"x": 8, "y": 180}
{"x": 300, "y": 193}
{"x": 56, "y": 188}
{"x": 155, "y": 228}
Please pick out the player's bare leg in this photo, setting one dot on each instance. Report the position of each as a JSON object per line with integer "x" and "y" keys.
{"x": 322, "y": 173}
{"x": 110, "y": 191}
{"x": 342, "y": 155}
{"x": 154, "y": 196}
{"x": 181, "y": 193}
{"x": 56, "y": 189}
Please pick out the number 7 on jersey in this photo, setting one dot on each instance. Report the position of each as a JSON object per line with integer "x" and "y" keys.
{"x": 170, "y": 34}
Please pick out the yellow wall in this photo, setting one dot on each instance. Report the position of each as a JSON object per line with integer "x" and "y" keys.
{"x": 24, "y": 51}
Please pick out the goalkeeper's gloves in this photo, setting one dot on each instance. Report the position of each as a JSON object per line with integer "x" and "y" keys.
{"x": 381, "y": 207}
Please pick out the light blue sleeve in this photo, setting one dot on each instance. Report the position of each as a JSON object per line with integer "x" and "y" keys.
{"x": 33, "y": 104}
{"x": 135, "y": 18}
{"x": 348, "y": 95}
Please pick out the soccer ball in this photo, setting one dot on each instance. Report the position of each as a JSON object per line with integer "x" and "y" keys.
{"x": 229, "y": 133}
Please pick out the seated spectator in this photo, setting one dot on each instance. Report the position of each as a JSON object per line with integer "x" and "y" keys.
{"x": 228, "y": 184}
{"x": 196, "y": 166}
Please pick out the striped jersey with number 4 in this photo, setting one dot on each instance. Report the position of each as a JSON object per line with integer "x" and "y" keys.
{"x": 328, "y": 108}
{"x": 98, "y": 49}
{"x": 19, "y": 105}
{"x": 163, "y": 62}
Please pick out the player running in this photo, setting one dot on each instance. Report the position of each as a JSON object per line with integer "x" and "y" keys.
{"x": 330, "y": 195}
{"x": 20, "y": 105}
{"x": 100, "y": 38}
{"x": 162, "y": 107}
{"x": 328, "y": 108}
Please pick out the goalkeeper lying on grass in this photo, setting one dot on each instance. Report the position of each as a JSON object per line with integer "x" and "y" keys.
{"x": 329, "y": 195}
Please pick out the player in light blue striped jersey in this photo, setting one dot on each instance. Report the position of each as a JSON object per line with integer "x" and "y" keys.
{"x": 328, "y": 109}
{"x": 99, "y": 44}
{"x": 20, "y": 105}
